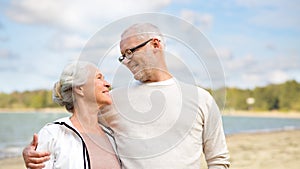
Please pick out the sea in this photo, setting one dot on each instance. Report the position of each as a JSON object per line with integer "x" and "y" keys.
{"x": 16, "y": 129}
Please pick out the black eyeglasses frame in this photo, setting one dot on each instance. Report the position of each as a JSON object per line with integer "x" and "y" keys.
{"x": 129, "y": 52}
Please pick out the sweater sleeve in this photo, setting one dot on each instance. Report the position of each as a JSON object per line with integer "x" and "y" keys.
{"x": 214, "y": 142}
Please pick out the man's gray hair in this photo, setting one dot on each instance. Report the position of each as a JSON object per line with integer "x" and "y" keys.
{"x": 143, "y": 31}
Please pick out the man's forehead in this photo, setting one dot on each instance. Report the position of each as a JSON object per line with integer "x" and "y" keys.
{"x": 129, "y": 38}
{"x": 127, "y": 41}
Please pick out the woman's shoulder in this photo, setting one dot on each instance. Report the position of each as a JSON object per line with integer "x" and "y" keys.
{"x": 54, "y": 128}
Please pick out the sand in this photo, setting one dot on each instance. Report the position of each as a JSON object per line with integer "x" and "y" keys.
{"x": 275, "y": 150}
{"x": 12, "y": 163}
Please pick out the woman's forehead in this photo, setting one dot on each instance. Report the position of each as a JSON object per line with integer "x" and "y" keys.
{"x": 94, "y": 70}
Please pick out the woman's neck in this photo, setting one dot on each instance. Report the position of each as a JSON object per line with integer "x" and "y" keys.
{"x": 85, "y": 122}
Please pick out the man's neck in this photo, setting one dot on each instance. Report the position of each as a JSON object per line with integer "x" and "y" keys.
{"x": 159, "y": 76}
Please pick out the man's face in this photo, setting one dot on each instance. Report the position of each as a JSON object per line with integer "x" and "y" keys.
{"x": 140, "y": 63}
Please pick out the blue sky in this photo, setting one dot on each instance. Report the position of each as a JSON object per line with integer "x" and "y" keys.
{"x": 257, "y": 41}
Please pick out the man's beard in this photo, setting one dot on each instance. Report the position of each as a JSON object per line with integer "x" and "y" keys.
{"x": 143, "y": 75}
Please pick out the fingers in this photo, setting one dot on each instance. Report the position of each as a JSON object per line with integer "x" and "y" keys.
{"x": 39, "y": 160}
{"x": 35, "y": 154}
{"x": 34, "y": 142}
{"x": 29, "y": 151}
{"x": 32, "y": 158}
{"x": 35, "y": 166}
{"x": 35, "y": 160}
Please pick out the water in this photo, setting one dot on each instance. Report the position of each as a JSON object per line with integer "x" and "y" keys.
{"x": 238, "y": 124}
{"x": 16, "y": 129}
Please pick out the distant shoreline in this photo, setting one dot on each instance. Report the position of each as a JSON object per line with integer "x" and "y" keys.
{"x": 33, "y": 110}
{"x": 275, "y": 114}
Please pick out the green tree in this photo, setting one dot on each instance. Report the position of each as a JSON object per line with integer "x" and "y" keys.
{"x": 289, "y": 98}
{"x": 236, "y": 98}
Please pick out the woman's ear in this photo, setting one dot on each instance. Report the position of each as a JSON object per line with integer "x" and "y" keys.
{"x": 79, "y": 90}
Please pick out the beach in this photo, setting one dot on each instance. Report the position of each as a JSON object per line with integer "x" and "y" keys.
{"x": 273, "y": 150}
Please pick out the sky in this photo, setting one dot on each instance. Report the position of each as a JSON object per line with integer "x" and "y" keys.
{"x": 257, "y": 41}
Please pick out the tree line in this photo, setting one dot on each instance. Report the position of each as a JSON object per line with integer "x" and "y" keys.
{"x": 282, "y": 97}
{"x": 28, "y": 99}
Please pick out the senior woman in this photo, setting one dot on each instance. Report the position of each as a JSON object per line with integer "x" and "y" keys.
{"x": 78, "y": 141}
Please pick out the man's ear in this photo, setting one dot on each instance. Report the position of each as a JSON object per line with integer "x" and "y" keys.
{"x": 156, "y": 43}
{"x": 79, "y": 90}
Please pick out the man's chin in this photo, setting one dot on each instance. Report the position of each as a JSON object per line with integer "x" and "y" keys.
{"x": 141, "y": 77}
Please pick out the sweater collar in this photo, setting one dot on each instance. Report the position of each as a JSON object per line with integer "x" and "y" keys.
{"x": 160, "y": 83}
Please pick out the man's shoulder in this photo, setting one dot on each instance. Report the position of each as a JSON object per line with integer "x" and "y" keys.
{"x": 194, "y": 87}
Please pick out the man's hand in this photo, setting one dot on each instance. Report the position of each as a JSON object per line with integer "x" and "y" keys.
{"x": 32, "y": 158}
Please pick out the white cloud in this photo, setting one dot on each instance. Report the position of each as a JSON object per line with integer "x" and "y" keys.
{"x": 248, "y": 60}
{"x": 273, "y": 13}
{"x": 240, "y": 64}
{"x": 283, "y": 19}
{"x": 76, "y": 14}
{"x": 74, "y": 21}
{"x": 285, "y": 62}
{"x": 203, "y": 21}
{"x": 251, "y": 70}
{"x": 4, "y": 38}
{"x": 248, "y": 80}
{"x": 271, "y": 46}
{"x": 224, "y": 53}
{"x": 257, "y": 3}
{"x": 21, "y": 82}
{"x": 6, "y": 54}
{"x": 62, "y": 42}
{"x": 277, "y": 76}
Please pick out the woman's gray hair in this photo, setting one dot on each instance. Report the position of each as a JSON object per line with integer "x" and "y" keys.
{"x": 74, "y": 74}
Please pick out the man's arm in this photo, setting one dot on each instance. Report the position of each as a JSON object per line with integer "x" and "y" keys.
{"x": 215, "y": 147}
{"x": 32, "y": 158}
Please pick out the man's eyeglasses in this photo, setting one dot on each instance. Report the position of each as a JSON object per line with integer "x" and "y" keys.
{"x": 129, "y": 52}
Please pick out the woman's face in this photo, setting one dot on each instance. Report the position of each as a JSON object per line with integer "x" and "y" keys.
{"x": 96, "y": 89}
